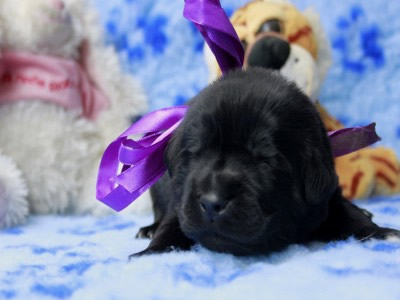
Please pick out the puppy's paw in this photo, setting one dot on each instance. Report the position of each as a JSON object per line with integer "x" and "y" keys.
{"x": 151, "y": 251}
{"x": 387, "y": 234}
{"x": 393, "y": 238}
{"x": 147, "y": 232}
{"x": 392, "y": 235}
{"x": 142, "y": 253}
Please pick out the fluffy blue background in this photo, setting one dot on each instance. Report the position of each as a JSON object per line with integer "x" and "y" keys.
{"x": 85, "y": 257}
{"x": 165, "y": 51}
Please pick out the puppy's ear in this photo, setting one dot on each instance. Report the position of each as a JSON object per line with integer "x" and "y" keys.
{"x": 319, "y": 176}
{"x": 172, "y": 151}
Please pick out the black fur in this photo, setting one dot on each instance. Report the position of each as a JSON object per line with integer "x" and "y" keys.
{"x": 250, "y": 171}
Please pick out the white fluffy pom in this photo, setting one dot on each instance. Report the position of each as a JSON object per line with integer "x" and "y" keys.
{"x": 13, "y": 193}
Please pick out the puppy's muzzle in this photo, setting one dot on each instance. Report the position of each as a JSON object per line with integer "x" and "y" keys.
{"x": 215, "y": 189}
{"x": 268, "y": 51}
{"x": 212, "y": 206}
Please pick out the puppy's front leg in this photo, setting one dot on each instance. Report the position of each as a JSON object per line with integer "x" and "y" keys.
{"x": 167, "y": 237}
{"x": 346, "y": 220}
{"x": 148, "y": 231}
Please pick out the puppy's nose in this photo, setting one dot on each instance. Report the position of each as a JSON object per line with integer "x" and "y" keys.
{"x": 269, "y": 52}
{"x": 212, "y": 206}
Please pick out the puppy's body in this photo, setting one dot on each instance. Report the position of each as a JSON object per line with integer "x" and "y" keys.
{"x": 250, "y": 171}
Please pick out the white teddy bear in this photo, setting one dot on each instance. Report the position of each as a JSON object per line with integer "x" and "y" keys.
{"x": 63, "y": 99}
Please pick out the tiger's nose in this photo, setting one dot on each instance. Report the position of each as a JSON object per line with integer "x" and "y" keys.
{"x": 269, "y": 52}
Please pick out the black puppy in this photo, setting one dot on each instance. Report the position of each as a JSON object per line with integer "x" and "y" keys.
{"x": 250, "y": 171}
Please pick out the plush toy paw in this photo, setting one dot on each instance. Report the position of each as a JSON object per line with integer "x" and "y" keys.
{"x": 387, "y": 170}
{"x": 356, "y": 175}
{"x": 13, "y": 193}
{"x": 369, "y": 172}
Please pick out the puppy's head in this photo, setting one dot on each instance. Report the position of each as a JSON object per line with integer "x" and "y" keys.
{"x": 275, "y": 35}
{"x": 251, "y": 166}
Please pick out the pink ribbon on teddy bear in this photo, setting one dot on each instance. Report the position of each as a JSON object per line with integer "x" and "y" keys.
{"x": 64, "y": 82}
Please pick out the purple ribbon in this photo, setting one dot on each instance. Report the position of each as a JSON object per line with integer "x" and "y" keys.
{"x": 214, "y": 25}
{"x": 347, "y": 140}
{"x": 128, "y": 168}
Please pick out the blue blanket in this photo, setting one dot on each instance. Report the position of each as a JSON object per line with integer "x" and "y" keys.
{"x": 86, "y": 258}
{"x": 56, "y": 257}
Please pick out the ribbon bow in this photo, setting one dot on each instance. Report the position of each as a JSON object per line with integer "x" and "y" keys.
{"x": 128, "y": 168}
{"x": 141, "y": 161}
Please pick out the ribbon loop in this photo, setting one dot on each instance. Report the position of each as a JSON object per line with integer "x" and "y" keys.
{"x": 348, "y": 140}
{"x": 143, "y": 163}
{"x": 131, "y": 152}
{"x": 214, "y": 25}
{"x": 142, "y": 160}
